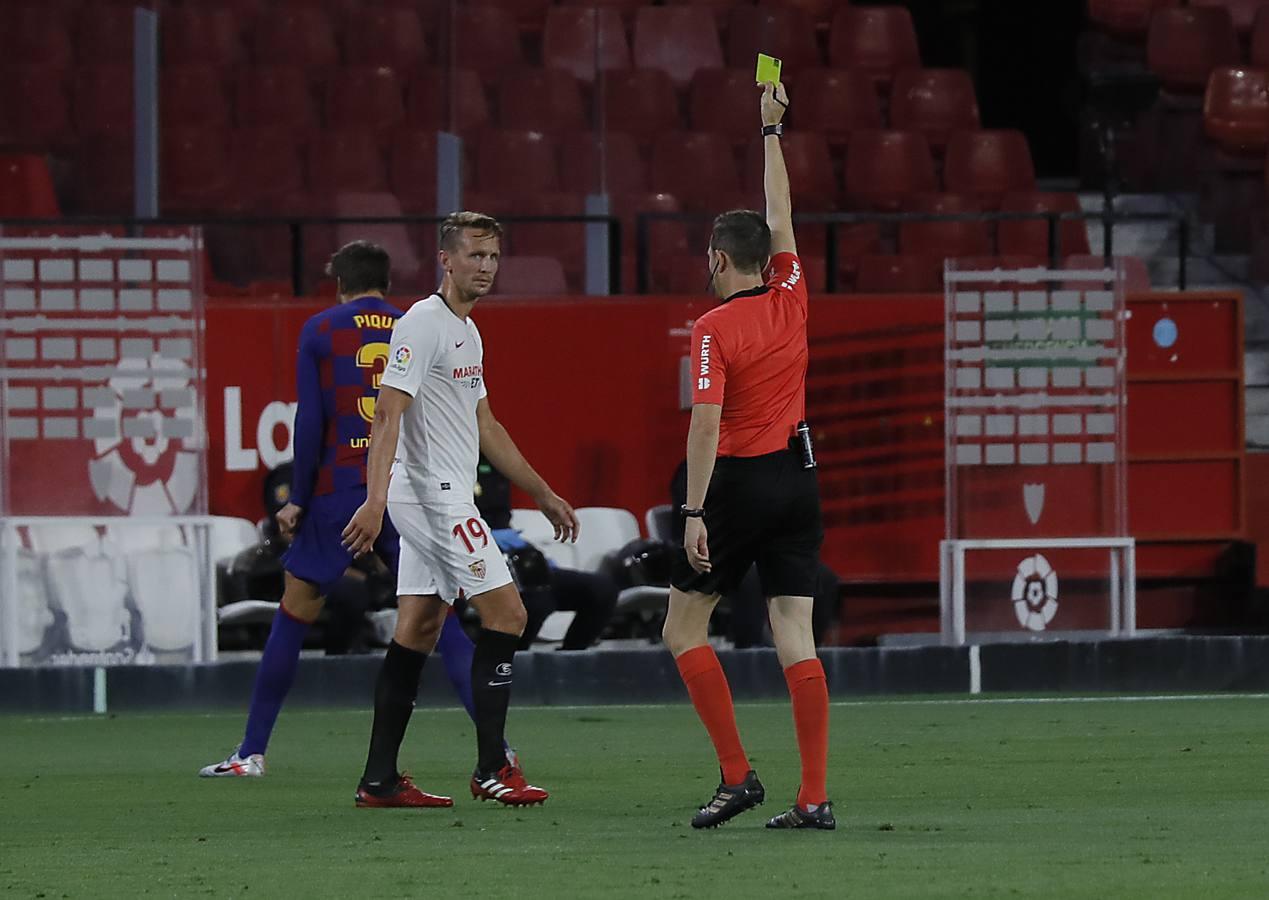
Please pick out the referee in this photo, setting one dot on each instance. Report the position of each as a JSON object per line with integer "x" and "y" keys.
{"x": 752, "y": 494}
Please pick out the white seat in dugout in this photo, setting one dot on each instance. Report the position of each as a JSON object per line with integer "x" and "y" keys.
{"x": 230, "y": 536}
{"x": 659, "y": 520}
{"x": 132, "y": 537}
{"x": 604, "y": 529}
{"x": 53, "y": 537}
{"x": 538, "y": 531}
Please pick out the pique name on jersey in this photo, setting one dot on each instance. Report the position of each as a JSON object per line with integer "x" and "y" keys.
{"x": 374, "y": 320}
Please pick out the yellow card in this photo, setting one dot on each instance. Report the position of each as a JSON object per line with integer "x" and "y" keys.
{"x": 768, "y": 69}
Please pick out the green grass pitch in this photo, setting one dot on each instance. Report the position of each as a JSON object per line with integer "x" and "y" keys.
{"x": 1075, "y": 798}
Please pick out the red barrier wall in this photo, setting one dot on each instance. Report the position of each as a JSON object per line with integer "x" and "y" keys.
{"x": 590, "y": 390}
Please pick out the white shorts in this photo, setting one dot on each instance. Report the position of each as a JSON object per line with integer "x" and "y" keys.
{"x": 446, "y": 549}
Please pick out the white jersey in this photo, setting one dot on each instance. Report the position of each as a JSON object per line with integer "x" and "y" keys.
{"x": 437, "y": 358}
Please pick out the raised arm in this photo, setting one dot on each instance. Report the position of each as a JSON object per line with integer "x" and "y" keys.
{"x": 775, "y": 180}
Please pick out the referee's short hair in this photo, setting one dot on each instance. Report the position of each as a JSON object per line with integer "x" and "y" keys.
{"x": 360, "y": 267}
{"x": 744, "y": 236}
{"x": 458, "y": 222}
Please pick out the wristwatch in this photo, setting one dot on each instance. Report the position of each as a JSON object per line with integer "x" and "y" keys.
{"x": 689, "y": 513}
{"x": 777, "y": 129}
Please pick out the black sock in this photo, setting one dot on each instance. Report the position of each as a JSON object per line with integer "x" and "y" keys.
{"x": 491, "y": 692}
{"x": 395, "y": 690}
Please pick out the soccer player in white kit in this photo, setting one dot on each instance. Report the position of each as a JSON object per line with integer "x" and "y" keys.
{"x": 432, "y": 420}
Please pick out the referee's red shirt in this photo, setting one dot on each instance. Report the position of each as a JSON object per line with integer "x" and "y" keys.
{"x": 749, "y": 356}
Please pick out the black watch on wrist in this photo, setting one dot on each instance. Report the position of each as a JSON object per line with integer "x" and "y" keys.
{"x": 777, "y": 129}
{"x": 690, "y": 513}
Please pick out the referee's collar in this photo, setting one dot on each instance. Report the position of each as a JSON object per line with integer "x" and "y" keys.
{"x": 748, "y": 292}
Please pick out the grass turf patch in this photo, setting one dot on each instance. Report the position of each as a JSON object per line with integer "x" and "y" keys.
{"x": 1073, "y": 799}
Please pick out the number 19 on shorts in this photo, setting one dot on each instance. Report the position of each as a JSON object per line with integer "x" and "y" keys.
{"x": 470, "y": 532}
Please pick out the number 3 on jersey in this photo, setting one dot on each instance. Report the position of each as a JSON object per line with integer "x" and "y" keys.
{"x": 476, "y": 530}
{"x": 371, "y": 356}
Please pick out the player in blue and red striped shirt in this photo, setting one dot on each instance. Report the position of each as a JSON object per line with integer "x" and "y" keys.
{"x": 342, "y": 354}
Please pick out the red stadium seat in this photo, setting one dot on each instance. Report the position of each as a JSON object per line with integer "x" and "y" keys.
{"x": 878, "y": 39}
{"x": 1236, "y": 109}
{"x": 192, "y": 95}
{"x": 988, "y": 163}
{"x": 779, "y": 31}
{"x": 487, "y": 39}
{"x": 408, "y": 264}
{"x": 1136, "y": 273}
{"x": 899, "y": 274}
{"x": 725, "y": 101}
{"x": 244, "y": 9}
{"x": 678, "y": 40}
{"x": 696, "y": 167}
{"x": 1004, "y": 263}
{"x": 666, "y": 238}
{"x": 297, "y": 36}
{"x": 26, "y": 188}
{"x": 412, "y": 169}
{"x": 853, "y": 243}
{"x": 1243, "y": 12}
{"x": 529, "y": 14}
{"x": 935, "y": 102}
{"x": 564, "y": 241}
{"x": 102, "y": 102}
{"x": 819, "y": 12}
{"x": 270, "y": 96}
{"x": 811, "y": 178}
{"x": 836, "y": 102}
{"x": 364, "y": 97}
{"x": 640, "y": 102}
{"x": 529, "y": 276}
{"x": 582, "y": 40}
{"x": 542, "y": 99}
{"x": 195, "y": 170}
{"x": 1031, "y": 237}
{"x": 389, "y": 37}
{"x": 517, "y": 164}
{"x": 1127, "y": 18}
{"x": 1183, "y": 46}
{"x": 37, "y": 36}
{"x": 211, "y": 35}
{"x": 942, "y": 240}
{"x": 268, "y": 163}
{"x": 35, "y": 105}
{"x": 104, "y": 178}
{"x": 103, "y": 35}
{"x": 626, "y": 9}
{"x": 883, "y": 167}
{"x": 1259, "y": 54}
{"x": 685, "y": 273}
{"x": 447, "y": 100}
{"x": 613, "y": 167}
{"x": 346, "y": 160}
{"x": 721, "y": 9}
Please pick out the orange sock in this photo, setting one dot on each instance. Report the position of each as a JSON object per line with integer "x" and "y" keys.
{"x": 809, "y": 691}
{"x": 707, "y": 686}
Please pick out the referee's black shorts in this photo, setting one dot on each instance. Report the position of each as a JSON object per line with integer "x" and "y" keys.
{"x": 764, "y": 510}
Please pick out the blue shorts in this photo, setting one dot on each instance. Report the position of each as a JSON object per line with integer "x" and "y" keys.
{"x": 317, "y": 554}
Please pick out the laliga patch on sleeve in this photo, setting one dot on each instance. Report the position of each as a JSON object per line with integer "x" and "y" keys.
{"x": 402, "y": 356}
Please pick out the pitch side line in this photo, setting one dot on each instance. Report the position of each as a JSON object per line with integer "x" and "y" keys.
{"x": 944, "y": 701}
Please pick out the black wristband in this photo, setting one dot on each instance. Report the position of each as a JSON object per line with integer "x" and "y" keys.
{"x": 777, "y": 129}
{"x": 689, "y": 513}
